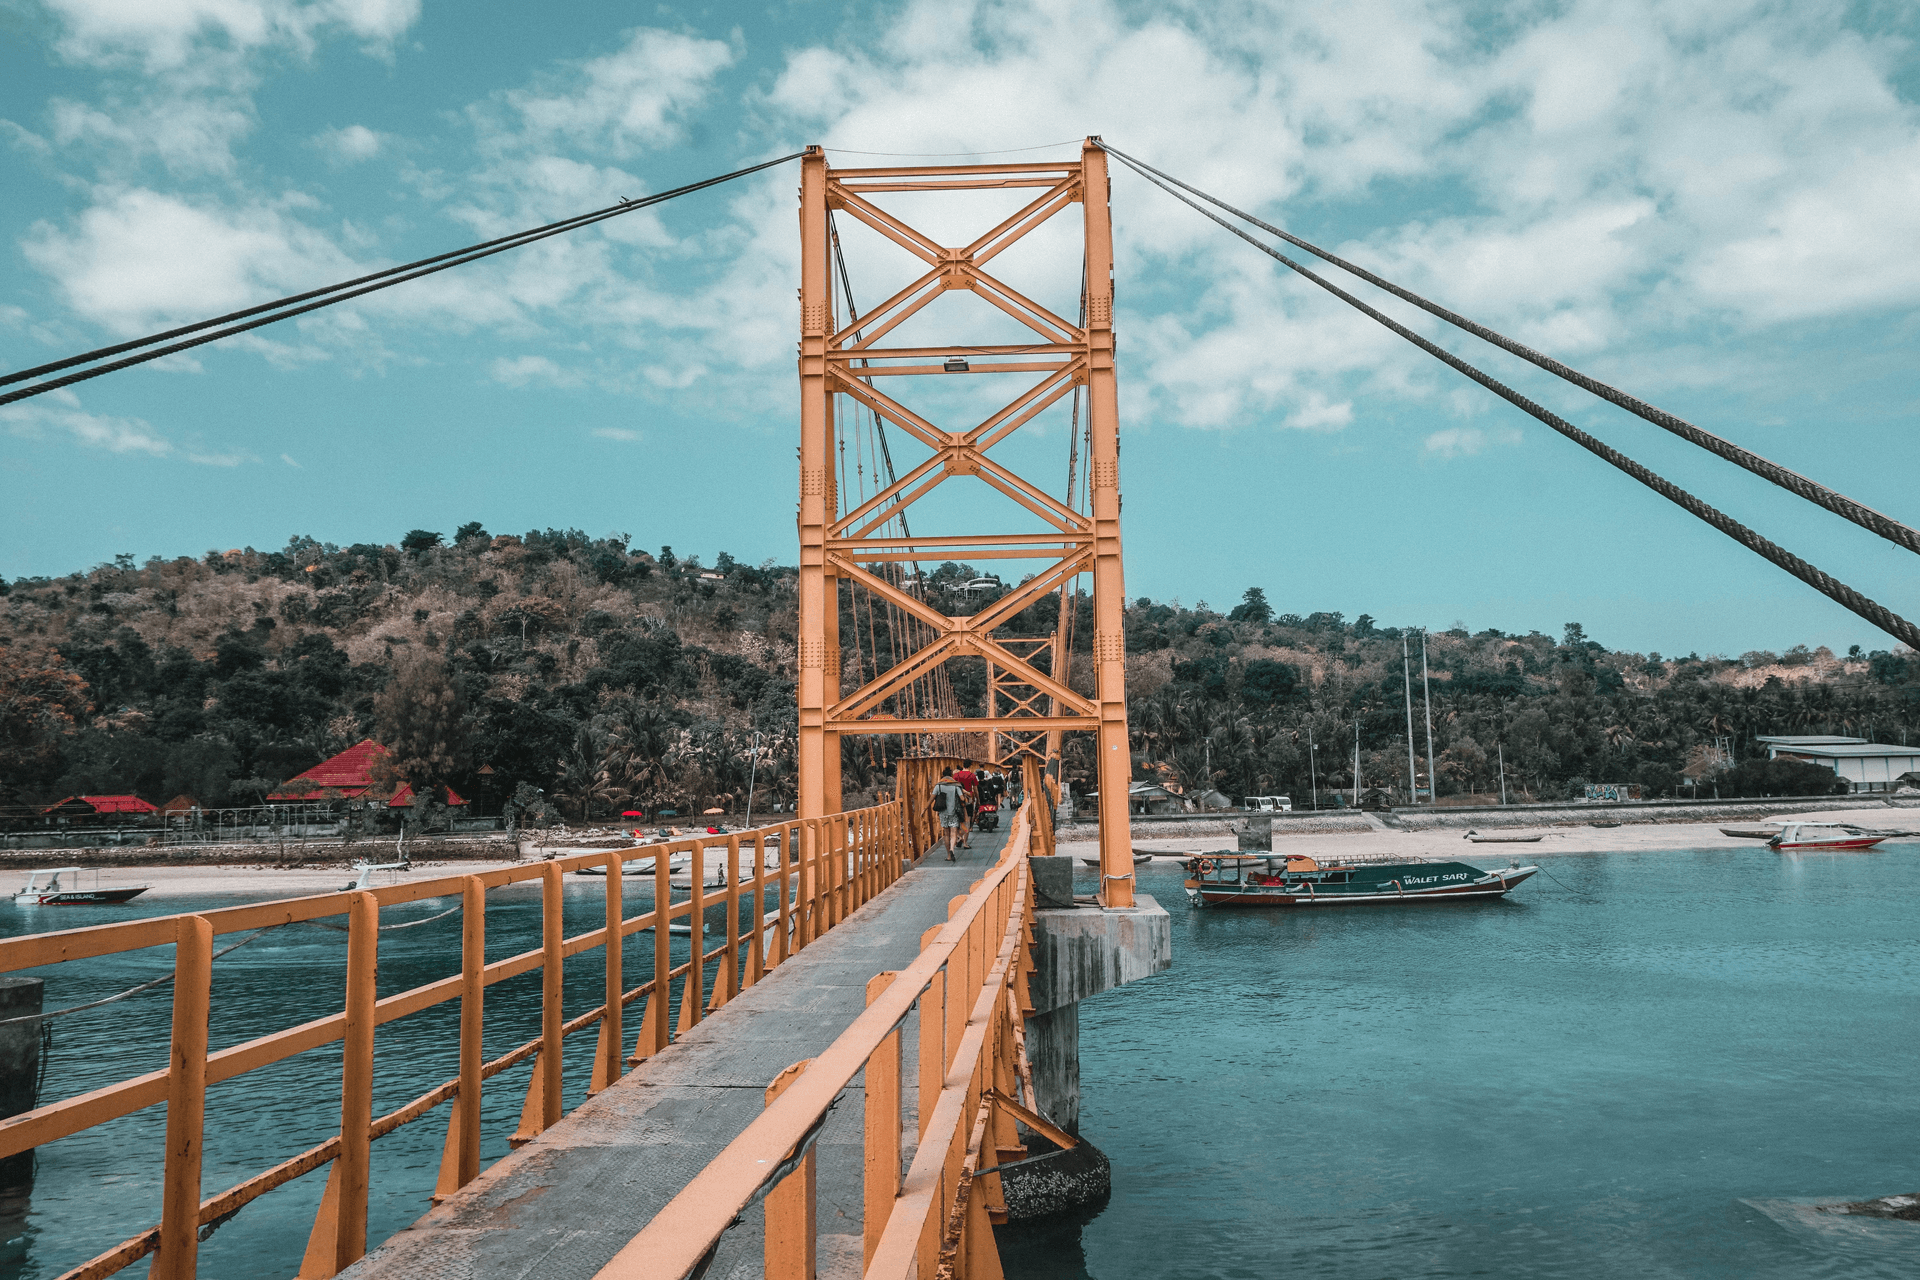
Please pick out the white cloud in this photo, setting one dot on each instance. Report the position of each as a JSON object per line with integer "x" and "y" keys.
{"x": 58, "y": 413}
{"x": 354, "y": 143}
{"x": 189, "y": 134}
{"x": 288, "y": 459}
{"x": 520, "y": 371}
{"x": 1464, "y": 442}
{"x": 139, "y": 258}
{"x": 616, "y": 433}
{"x": 620, "y": 103}
{"x": 164, "y": 34}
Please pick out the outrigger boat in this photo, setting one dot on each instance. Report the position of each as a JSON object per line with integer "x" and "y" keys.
{"x": 63, "y": 890}
{"x": 1276, "y": 880}
{"x": 1824, "y": 837}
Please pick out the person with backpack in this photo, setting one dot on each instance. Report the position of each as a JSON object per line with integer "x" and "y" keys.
{"x": 969, "y": 782}
{"x": 948, "y": 802}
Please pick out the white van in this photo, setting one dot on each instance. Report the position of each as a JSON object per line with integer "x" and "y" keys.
{"x": 1269, "y": 804}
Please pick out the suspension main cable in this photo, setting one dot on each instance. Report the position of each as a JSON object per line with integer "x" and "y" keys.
{"x": 1792, "y": 481}
{"x": 1877, "y": 614}
{"x": 283, "y": 309}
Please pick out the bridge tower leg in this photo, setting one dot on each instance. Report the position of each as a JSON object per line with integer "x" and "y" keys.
{"x": 1109, "y": 585}
{"x": 819, "y": 675}
{"x": 858, "y": 541}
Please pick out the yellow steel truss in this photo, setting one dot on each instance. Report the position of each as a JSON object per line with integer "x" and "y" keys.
{"x": 1027, "y": 708}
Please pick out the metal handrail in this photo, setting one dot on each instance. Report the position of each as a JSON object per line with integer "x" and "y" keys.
{"x": 844, "y": 860}
{"x": 966, "y": 1034}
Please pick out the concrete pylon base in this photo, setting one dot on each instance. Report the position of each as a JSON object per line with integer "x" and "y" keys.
{"x": 1040, "y": 1188}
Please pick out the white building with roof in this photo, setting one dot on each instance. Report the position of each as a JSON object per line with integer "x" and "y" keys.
{"x": 1867, "y": 766}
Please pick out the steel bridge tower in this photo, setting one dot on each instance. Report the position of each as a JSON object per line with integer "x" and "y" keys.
{"x": 841, "y": 356}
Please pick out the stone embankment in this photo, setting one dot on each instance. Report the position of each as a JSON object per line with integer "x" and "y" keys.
{"x": 1873, "y": 811}
{"x": 294, "y": 853}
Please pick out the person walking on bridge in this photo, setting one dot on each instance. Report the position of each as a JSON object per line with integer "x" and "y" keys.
{"x": 969, "y": 784}
{"x": 949, "y": 799}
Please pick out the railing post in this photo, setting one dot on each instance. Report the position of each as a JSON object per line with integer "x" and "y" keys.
{"x": 186, "y": 1101}
{"x": 613, "y": 1036}
{"x": 726, "y": 983}
{"x": 662, "y": 949}
{"x": 473, "y": 993}
{"x": 694, "y": 993}
{"x": 757, "y": 945}
{"x": 933, "y": 1037}
{"x": 805, "y": 892}
{"x": 882, "y": 1174}
{"x": 356, "y": 1078}
{"x": 784, "y": 894}
{"x": 791, "y": 1252}
{"x": 553, "y": 887}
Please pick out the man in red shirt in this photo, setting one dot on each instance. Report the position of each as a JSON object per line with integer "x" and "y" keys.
{"x": 969, "y": 783}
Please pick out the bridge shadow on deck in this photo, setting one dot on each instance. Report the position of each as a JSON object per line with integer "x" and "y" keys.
{"x": 562, "y": 1206}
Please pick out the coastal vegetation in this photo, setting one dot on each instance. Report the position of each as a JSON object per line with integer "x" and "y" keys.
{"x": 584, "y": 674}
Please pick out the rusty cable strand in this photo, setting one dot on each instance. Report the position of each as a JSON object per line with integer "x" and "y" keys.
{"x": 1792, "y": 481}
{"x": 333, "y": 293}
{"x": 1826, "y": 584}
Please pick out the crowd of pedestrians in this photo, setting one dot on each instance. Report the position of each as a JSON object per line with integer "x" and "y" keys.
{"x": 959, "y": 796}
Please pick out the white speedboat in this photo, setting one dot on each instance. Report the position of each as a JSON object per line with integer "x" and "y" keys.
{"x": 62, "y": 888}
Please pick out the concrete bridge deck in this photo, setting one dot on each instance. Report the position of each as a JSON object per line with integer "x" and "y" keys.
{"x": 562, "y": 1206}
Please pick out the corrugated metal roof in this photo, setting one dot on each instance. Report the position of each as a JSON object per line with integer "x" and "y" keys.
{"x": 1852, "y": 750}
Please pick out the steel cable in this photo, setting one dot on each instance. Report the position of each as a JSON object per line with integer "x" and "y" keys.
{"x": 284, "y": 308}
{"x": 1877, "y": 614}
{"x": 1792, "y": 481}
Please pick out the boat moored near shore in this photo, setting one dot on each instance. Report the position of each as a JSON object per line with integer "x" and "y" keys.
{"x": 1255, "y": 880}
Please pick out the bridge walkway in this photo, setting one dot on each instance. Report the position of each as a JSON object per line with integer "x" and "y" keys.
{"x": 561, "y": 1206}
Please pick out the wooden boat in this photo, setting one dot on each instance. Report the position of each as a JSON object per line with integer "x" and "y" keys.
{"x": 1823, "y": 837}
{"x": 1755, "y": 831}
{"x": 1500, "y": 838}
{"x": 1254, "y": 880}
{"x": 63, "y": 889}
{"x": 1138, "y": 859}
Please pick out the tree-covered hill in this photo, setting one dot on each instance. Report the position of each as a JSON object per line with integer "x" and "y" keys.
{"x": 613, "y": 678}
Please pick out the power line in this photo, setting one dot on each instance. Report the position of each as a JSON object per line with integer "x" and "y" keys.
{"x": 315, "y": 299}
{"x": 1879, "y": 615}
{"x": 1792, "y": 481}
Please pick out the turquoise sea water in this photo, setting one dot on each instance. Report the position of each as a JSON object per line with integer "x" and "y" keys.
{"x": 97, "y": 1188}
{"x": 1653, "y": 1070}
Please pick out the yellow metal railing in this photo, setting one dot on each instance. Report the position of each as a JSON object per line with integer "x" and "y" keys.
{"x": 969, "y": 984}
{"x": 825, "y": 869}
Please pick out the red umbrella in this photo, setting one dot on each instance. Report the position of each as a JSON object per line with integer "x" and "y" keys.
{"x": 633, "y": 813}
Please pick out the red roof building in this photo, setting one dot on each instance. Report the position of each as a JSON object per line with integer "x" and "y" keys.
{"x": 100, "y": 807}
{"x": 347, "y": 776}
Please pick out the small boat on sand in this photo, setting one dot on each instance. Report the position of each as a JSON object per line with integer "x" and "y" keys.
{"x": 1254, "y": 880}
{"x": 1824, "y": 837}
{"x": 1753, "y": 831}
{"x": 1501, "y": 837}
{"x": 63, "y": 889}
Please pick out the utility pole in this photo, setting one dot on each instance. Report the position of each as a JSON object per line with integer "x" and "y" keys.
{"x": 1426, "y": 703}
{"x": 1313, "y": 776}
{"x": 1356, "y": 762}
{"x": 1503, "y": 772}
{"x": 1406, "y": 687}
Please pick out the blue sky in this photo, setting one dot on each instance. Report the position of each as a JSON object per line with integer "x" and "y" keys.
{"x": 1714, "y": 205}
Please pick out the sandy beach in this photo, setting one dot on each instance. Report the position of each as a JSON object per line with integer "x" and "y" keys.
{"x": 1450, "y": 843}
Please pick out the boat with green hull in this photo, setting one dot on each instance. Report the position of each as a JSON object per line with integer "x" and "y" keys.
{"x": 1279, "y": 880}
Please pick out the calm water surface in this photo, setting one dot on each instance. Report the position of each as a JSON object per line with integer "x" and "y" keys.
{"x": 1653, "y": 1071}
{"x": 97, "y": 1188}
